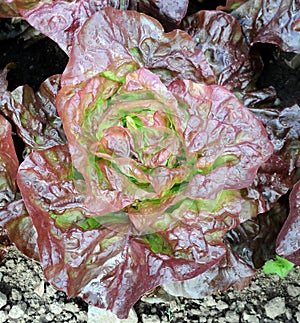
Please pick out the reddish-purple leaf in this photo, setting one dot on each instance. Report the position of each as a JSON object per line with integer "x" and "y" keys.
{"x": 220, "y": 37}
{"x": 34, "y": 114}
{"x": 254, "y": 240}
{"x": 231, "y": 271}
{"x": 276, "y": 175}
{"x": 168, "y": 12}
{"x": 19, "y": 227}
{"x": 9, "y": 164}
{"x": 288, "y": 240}
{"x": 61, "y": 20}
{"x": 276, "y": 22}
{"x": 114, "y": 42}
{"x": 105, "y": 260}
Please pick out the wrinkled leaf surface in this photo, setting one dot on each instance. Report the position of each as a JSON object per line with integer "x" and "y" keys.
{"x": 111, "y": 266}
{"x": 220, "y": 37}
{"x": 288, "y": 240}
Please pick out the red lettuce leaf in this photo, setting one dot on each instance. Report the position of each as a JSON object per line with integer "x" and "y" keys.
{"x": 19, "y": 227}
{"x": 115, "y": 42}
{"x": 254, "y": 240}
{"x": 61, "y": 20}
{"x": 111, "y": 266}
{"x": 168, "y": 12}
{"x": 276, "y": 22}
{"x": 220, "y": 37}
{"x": 9, "y": 164}
{"x": 277, "y": 175}
{"x": 34, "y": 114}
{"x": 288, "y": 240}
{"x": 231, "y": 271}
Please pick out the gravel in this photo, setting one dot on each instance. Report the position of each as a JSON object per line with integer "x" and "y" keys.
{"x": 25, "y": 297}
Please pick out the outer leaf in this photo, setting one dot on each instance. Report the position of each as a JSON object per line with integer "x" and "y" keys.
{"x": 61, "y": 20}
{"x": 19, "y": 227}
{"x": 220, "y": 37}
{"x": 168, "y": 12}
{"x": 254, "y": 240}
{"x": 34, "y": 114}
{"x": 9, "y": 164}
{"x": 276, "y": 22}
{"x": 276, "y": 176}
{"x": 230, "y": 271}
{"x": 110, "y": 266}
{"x": 114, "y": 43}
{"x": 288, "y": 240}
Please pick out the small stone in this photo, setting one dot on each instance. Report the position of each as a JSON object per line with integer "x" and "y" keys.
{"x": 49, "y": 317}
{"x": 99, "y": 315}
{"x": 16, "y": 295}
{"x": 40, "y": 288}
{"x": 195, "y": 311}
{"x": 298, "y": 317}
{"x": 221, "y": 305}
{"x": 55, "y": 308}
{"x": 150, "y": 318}
{"x": 70, "y": 307}
{"x": 16, "y": 312}
{"x": 210, "y": 301}
{"x": 3, "y": 317}
{"x": 293, "y": 291}
{"x": 1, "y": 275}
{"x": 275, "y": 307}
{"x": 3, "y": 300}
{"x": 232, "y": 317}
{"x": 250, "y": 318}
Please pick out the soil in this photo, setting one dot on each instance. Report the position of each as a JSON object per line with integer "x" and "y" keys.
{"x": 26, "y": 297}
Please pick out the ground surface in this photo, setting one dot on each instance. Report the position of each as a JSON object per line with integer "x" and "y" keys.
{"x": 25, "y": 297}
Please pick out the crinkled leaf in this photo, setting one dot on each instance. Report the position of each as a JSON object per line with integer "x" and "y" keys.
{"x": 254, "y": 240}
{"x": 276, "y": 22}
{"x": 230, "y": 271}
{"x": 111, "y": 266}
{"x": 168, "y": 12}
{"x": 288, "y": 240}
{"x": 276, "y": 175}
{"x": 220, "y": 37}
{"x": 228, "y": 142}
{"x": 61, "y": 20}
{"x": 8, "y": 164}
{"x": 115, "y": 42}
{"x": 19, "y": 227}
{"x": 34, "y": 114}
{"x": 259, "y": 98}
{"x": 138, "y": 149}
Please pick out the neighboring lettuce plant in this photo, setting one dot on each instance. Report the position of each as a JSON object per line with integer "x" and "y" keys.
{"x": 288, "y": 239}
